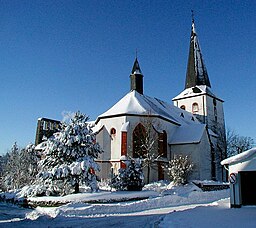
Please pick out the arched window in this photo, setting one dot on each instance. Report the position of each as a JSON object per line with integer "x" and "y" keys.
{"x": 162, "y": 144}
{"x": 195, "y": 107}
{"x": 139, "y": 135}
{"x": 113, "y": 131}
{"x": 183, "y": 107}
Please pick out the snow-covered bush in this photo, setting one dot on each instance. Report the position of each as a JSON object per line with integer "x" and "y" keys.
{"x": 179, "y": 168}
{"x": 130, "y": 178}
{"x": 70, "y": 158}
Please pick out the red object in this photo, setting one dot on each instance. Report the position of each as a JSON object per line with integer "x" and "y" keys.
{"x": 123, "y": 147}
{"x": 92, "y": 171}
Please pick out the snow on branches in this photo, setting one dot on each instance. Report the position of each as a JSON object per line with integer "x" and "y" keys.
{"x": 20, "y": 167}
{"x": 130, "y": 178}
{"x": 70, "y": 158}
{"x": 179, "y": 168}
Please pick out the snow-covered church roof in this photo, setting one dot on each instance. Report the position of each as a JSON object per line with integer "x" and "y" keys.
{"x": 134, "y": 103}
{"x": 187, "y": 134}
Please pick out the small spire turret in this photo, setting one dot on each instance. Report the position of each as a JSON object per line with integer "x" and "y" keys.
{"x": 136, "y": 77}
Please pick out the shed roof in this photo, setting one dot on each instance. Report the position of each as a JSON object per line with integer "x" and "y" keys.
{"x": 246, "y": 155}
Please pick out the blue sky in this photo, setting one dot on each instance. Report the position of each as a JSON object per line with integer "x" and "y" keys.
{"x": 77, "y": 55}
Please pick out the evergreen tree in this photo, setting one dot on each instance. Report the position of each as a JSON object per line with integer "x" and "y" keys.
{"x": 20, "y": 168}
{"x": 70, "y": 158}
{"x": 130, "y": 178}
{"x": 28, "y": 160}
{"x": 13, "y": 169}
{"x": 3, "y": 162}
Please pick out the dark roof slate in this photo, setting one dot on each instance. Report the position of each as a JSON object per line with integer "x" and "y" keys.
{"x": 196, "y": 69}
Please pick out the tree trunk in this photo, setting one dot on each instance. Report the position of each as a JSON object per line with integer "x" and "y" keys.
{"x": 77, "y": 187}
{"x": 148, "y": 174}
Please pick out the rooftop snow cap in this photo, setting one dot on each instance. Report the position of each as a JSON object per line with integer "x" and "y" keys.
{"x": 196, "y": 69}
{"x": 136, "y": 78}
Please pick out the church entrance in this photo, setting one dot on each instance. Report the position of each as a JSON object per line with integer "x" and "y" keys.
{"x": 248, "y": 187}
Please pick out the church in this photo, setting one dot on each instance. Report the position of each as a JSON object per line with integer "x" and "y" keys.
{"x": 193, "y": 125}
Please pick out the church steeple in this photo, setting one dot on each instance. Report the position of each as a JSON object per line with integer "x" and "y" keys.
{"x": 198, "y": 99}
{"x": 196, "y": 69}
{"x": 136, "y": 78}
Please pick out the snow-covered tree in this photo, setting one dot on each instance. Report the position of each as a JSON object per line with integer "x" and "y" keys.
{"x": 179, "y": 169}
{"x": 3, "y": 161}
{"x": 20, "y": 168}
{"x": 11, "y": 176}
{"x": 70, "y": 158}
{"x": 130, "y": 178}
{"x": 29, "y": 159}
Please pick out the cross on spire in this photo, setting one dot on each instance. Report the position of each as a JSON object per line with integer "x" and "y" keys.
{"x": 192, "y": 16}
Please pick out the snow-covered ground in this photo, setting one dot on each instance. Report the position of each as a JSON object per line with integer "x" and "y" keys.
{"x": 167, "y": 206}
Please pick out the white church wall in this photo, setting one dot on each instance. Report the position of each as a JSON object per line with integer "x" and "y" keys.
{"x": 103, "y": 160}
{"x": 205, "y": 158}
{"x": 189, "y": 101}
{"x": 112, "y": 146}
{"x": 103, "y": 141}
{"x": 199, "y": 154}
{"x": 210, "y": 110}
{"x": 114, "y": 140}
{"x": 109, "y": 161}
{"x": 159, "y": 124}
{"x": 190, "y": 150}
{"x": 215, "y": 114}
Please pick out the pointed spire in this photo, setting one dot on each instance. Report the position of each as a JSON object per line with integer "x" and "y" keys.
{"x": 196, "y": 69}
{"x": 136, "y": 67}
{"x": 136, "y": 77}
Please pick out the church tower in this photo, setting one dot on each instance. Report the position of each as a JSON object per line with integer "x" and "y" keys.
{"x": 198, "y": 99}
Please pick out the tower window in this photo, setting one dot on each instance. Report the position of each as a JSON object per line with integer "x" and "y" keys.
{"x": 195, "y": 107}
{"x": 45, "y": 126}
{"x": 113, "y": 131}
{"x": 183, "y": 107}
